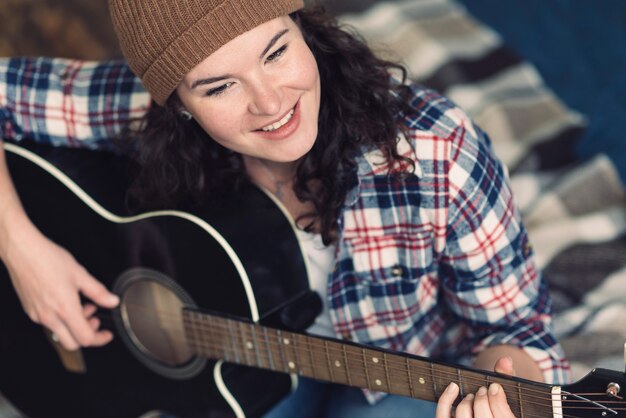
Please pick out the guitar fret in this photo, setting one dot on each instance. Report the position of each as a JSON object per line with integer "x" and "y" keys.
{"x": 198, "y": 337}
{"x": 345, "y": 361}
{"x": 293, "y": 358}
{"x": 233, "y": 343}
{"x": 188, "y": 328}
{"x": 206, "y": 344}
{"x": 269, "y": 350}
{"x": 216, "y": 341}
{"x": 255, "y": 345}
{"x": 386, "y": 368}
{"x": 365, "y": 363}
{"x": 519, "y": 397}
{"x": 354, "y": 366}
{"x": 244, "y": 344}
{"x": 282, "y": 354}
{"x": 296, "y": 360}
{"x": 313, "y": 367}
{"x": 193, "y": 337}
{"x": 339, "y": 363}
{"x": 228, "y": 352}
{"x": 458, "y": 373}
{"x": 296, "y": 356}
{"x": 330, "y": 369}
{"x": 432, "y": 375}
{"x": 409, "y": 378}
{"x": 195, "y": 321}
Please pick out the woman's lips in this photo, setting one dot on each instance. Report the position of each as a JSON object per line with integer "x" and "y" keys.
{"x": 287, "y": 129}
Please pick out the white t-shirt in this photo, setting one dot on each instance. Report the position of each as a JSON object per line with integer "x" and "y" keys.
{"x": 320, "y": 260}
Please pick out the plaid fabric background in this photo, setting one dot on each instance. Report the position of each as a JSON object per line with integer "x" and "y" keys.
{"x": 575, "y": 211}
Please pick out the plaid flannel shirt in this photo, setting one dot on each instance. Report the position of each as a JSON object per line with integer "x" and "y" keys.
{"x": 438, "y": 263}
{"x": 435, "y": 263}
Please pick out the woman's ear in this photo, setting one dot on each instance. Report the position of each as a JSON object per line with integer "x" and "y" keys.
{"x": 184, "y": 113}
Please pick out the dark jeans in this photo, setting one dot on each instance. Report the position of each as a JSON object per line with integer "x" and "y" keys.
{"x": 314, "y": 399}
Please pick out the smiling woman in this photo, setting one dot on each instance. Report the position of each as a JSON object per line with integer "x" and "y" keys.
{"x": 402, "y": 209}
{"x": 261, "y": 96}
{"x": 258, "y": 95}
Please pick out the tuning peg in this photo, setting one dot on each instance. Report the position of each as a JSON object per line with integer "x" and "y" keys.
{"x": 613, "y": 389}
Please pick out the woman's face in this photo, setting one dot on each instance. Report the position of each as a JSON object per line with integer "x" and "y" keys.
{"x": 259, "y": 94}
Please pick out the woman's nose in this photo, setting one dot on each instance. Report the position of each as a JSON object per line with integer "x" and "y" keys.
{"x": 265, "y": 99}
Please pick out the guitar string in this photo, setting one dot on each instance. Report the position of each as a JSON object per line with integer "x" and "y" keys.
{"x": 245, "y": 326}
{"x": 222, "y": 348}
{"x": 236, "y": 334}
{"x": 276, "y": 348}
{"x": 512, "y": 402}
{"x": 266, "y": 357}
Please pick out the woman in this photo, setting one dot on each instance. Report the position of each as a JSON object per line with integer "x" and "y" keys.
{"x": 396, "y": 184}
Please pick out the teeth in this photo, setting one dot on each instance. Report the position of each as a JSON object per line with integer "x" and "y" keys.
{"x": 283, "y": 121}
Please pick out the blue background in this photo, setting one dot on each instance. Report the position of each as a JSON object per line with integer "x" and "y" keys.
{"x": 579, "y": 47}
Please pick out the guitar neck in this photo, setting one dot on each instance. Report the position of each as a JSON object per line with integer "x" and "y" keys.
{"x": 351, "y": 364}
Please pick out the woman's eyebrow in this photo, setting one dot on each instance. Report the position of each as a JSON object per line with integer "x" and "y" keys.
{"x": 273, "y": 42}
{"x": 210, "y": 80}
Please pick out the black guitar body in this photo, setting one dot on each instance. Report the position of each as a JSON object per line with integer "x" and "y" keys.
{"x": 118, "y": 382}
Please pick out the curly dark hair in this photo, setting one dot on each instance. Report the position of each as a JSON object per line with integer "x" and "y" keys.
{"x": 361, "y": 107}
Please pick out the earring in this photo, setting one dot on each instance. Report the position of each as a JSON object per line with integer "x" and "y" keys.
{"x": 185, "y": 115}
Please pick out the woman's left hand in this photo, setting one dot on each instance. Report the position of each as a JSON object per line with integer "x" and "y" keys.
{"x": 485, "y": 403}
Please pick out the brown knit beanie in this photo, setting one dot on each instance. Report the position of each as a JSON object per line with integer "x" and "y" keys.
{"x": 164, "y": 39}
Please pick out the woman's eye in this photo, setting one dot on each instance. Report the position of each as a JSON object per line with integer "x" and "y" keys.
{"x": 277, "y": 54}
{"x": 218, "y": 90}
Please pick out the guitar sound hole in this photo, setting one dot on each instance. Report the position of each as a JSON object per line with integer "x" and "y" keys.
{"x": 152, "y": 316}
{"x": 149, "y": 322}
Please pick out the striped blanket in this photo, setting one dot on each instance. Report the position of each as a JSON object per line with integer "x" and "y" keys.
{"x": 575, "y": 210}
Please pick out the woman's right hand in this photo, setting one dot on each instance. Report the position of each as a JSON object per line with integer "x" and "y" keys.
{"x": 48, "y": 281}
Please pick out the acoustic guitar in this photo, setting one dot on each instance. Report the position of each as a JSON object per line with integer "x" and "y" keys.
{"x": 214, "y": 301}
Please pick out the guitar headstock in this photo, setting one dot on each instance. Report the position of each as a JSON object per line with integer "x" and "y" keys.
{"x": 599, "y": 394}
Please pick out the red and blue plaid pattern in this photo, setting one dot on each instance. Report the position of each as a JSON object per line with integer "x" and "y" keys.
{"x": 68, "y": 102}
{"x": 436, "y": 263}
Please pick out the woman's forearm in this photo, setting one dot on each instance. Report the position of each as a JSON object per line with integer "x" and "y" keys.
{"x": 12, "y": 215}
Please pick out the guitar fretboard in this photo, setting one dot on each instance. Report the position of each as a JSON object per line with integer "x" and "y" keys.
{"x": 350, "y": 364}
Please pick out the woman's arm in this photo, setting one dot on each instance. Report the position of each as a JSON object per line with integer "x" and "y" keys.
{"x": 46, "y": 277}
{"x": 65, "y": 102}
{"x": 59, "y": 102}
{"x": 11, "y": 212}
